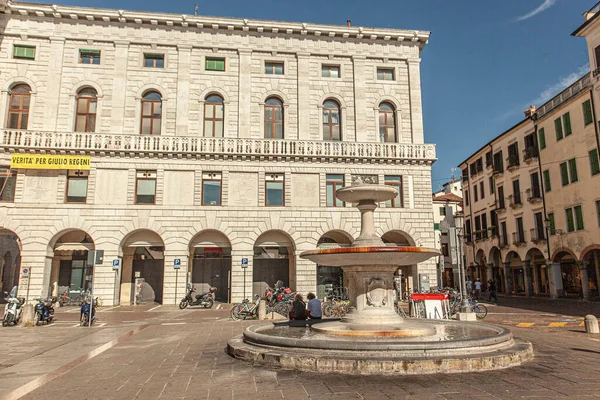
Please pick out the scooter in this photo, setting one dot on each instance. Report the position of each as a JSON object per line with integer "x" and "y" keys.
{"x": 14, "y": 306}
{"x": 204, "y": 299}
{"x": 44, "y": 310}
{"x": 84, "y": 318}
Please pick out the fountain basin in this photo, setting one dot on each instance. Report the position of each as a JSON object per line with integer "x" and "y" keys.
{"x": 370, "y": 255}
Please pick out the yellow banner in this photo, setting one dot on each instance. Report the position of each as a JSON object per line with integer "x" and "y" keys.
{"x": 48, "y": 161}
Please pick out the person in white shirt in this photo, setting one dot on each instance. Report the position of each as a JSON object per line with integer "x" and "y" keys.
{"x": 477, "y": 288}
{"x": 469, "y": 285}
{"x": 313, "y": 308}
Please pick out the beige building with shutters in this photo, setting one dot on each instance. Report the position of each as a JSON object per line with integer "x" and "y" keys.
{"x": 214, "y": 148}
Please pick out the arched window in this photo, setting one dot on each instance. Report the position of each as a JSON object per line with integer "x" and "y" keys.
{"x": 87, "y": 100}
{"x": 214, "y": 111}
{"x": 273, "y": 118}
{"x": 387, "y": 123}
{"x": 18, "y": 106}
{"x": 151, "y": 113}
{"x": 332, "y": 117}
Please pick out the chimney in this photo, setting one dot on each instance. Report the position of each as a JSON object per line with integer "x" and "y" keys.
{"x": 348, "y": 22}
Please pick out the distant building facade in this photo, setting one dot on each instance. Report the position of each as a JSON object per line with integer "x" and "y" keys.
{"x": 447, "y": 203}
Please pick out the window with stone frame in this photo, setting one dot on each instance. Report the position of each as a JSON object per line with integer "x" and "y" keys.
{"x": 385, "y": 74}
{"x": 387, "y": 123}
{"x": 274, "y": 189}
{"x": 333, "y": 182}
{"x": 145, "y": 187}
{"x": 151, "y": 113}
{"x": 332, "y": 121}
{"x": 8, "y": 182}
{"x": 85, "y": 112}
{"x": 214, "y": 64}
{"x": 24, "y": 52}
{"x": 214, "y": 116}
{"x": 19, "y": 98}
{"x": 274, "y": 68}
{"x": 153, "y": 60}
{"x": 77, "y": 185}
{"x": 273, "y": 118}
{"x": 211, "y": 188}
{"x": 330, "y": 71}
{"x": 394, "y": 181}
{"x": 89, "y": 56}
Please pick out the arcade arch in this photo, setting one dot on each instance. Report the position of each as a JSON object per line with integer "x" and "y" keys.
{"x": 495, "y": 259}
{"x": 330, "y": 279}
{"x": 406, "y": 279}
{"x": 536, "y": 259}
{"x": 515, "y": 279}
{"x": 10, "y": 260}
{"x": 571, "y": 276}
{"x": 70, "y": 271}
{"x": 592, "y": 259}
{"x": 273, "y": 261}
{"x": 210, "y": 252}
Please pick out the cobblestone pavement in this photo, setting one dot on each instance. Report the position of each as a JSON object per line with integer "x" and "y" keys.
{"x": 183, "y": 357}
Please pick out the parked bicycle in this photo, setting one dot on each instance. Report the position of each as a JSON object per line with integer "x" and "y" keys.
{"x": 243, "y": 310}
{"x": 336, "y": 308}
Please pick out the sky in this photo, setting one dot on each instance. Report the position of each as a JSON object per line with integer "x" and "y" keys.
{"x": 485, "y": 63}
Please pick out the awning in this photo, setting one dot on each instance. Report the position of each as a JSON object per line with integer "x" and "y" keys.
{"x": 210, "y": 243}
{"x": 144, "y": 243}
{"x": 74, "y": 247}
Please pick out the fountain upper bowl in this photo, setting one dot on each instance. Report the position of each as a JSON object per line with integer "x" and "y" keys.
{"x": 370, "y": 255}
{"x": 377, "y": 193}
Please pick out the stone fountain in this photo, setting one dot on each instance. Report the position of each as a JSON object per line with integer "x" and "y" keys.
{"x": 372, "y": 338}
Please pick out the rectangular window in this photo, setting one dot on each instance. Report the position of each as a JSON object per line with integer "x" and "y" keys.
{"x": 481, "y": 190}
{"x": 594, "y": 164}
{"x": 445, "y": 249}
{"x": 145, "y": 187}
{"x": 330, "y": 71}
{"x": 211, "y": 188}
{"x": 475, "y": 194}
{"x": 513, "y": 155}
{"x": 468, "y": 230}
{"x": 77, "y": 183}
{"x": 467, "y": 197}
{"x": 567, "y": 124}
{"x": 478, "y": 227}
{"x": 274, "y": 68}
{"x": 535, "y": 191}
{"x": 539, "y": 226}
{"x": 394, "y": 181}
{"x": 492, "y": 186}
{"x": 443, "y": 211}
{"x": 274, "y": 190}
{"x": 154, "y": 60}
{"x": 516, "y": 192}
{"x": 8, "y": 181}
{"x": 558, "y": 128}
{"x": 547, "y": 185}
{"x": 333, "y": 183}
{"x": 551, "y": 223}
{"x": 542, "y": 138}
{"x": 489, "y": 160}
{"x": 520, "y": 230}
{"x": 498, "y": 162}
{"x": 564, "y": 174}
{"x": 501, "y": 197}
{"x": 573, "y": 170}
{"x": 385, "y": 74}
{"x": 484, "y": 225}
{"x": 579, "y": 218}
{"x": 87, "y": 56}
{"x": 504, "y": 233}
{"x": 214, "y": 64}
{"x": 24, "y": 52}
{"x": 587, "y": 112}
{"x": 570, "y": 220}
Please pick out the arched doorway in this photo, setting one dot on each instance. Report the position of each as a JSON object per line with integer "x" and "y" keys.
{"x": 71, "y": 271}
{"x": 407, "y": 276}
{"x": 143, "y": 262}
{"x": 480, "y": 266}
{"x": 273, "y": 261}
{"x": 495, "y": 259}
{"x": 536, "y": 259}
{"x": 10, "y": 260}
{"x": 571, "y": 276}
{"x": 515, "y": 278}
{"x": 210, "y": 252}
{"x": 332, "y": 277}
{"x": 592, "y": 260}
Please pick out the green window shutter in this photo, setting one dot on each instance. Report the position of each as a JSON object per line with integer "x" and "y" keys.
{"x": 579, "y": 218}
{"x": 570, "y": 221}
{"x": 594, "y": 163}
{"x": 564, "y": 174}
{"x": 552, "y": 226}
{"x": 436, "y": 227}
{"x": 547, "y": 185}
{"x": 573, "y": 170}
{"x": 587, "y": 112}
{"x": 558, "y": 128}
{"x": 542, "y": 138}
{"x": 567, "y": 122}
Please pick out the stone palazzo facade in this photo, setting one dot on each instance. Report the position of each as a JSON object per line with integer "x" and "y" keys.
{"x": 215, "y": 146}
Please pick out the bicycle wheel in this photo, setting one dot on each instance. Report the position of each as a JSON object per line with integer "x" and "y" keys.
{"x": 480, "y": 311}
{"x": 327, "y": 310}
{"x": 237, "y": 312}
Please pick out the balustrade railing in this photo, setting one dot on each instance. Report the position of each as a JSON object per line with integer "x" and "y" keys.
{"x": 104, "y": 142}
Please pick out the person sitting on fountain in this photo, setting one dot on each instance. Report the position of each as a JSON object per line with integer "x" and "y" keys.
{"x": 313, "y": 309}
{"x": 298, "y": 311}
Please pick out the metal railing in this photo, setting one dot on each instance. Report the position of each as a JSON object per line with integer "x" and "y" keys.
{"x": 512, "y": 161}
{"x": 537, "y": 235}
{"x": 172, "y": 145}
{"x": 530, "y": 153}
{"x": 566, "y": 94}
{"x": 534, "y": 193}
{"x": 518, "y": 238}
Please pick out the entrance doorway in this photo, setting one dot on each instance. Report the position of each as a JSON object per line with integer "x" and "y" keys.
{"x": 74, "y": 274}
{"x": 212, "y": 267}
{"x": 272, "y": 261}
{"x": 148, "y": 264}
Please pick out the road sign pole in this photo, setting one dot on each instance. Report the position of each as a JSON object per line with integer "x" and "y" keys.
{"x": 176, "y": 277}
{"x": 244, "y": 283}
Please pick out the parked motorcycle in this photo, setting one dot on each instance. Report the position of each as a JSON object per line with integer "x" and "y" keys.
{"x": 14, "y": 306}
{"x": 84, "y": 318}
{"x": 44, "y": 310}
{"x": 204, "y": 299}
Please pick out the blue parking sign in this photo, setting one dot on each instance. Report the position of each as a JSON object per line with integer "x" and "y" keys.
{"x": 244, "y": 261}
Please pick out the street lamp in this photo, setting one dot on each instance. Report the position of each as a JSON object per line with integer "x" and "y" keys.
{"x": 459, "y": 224}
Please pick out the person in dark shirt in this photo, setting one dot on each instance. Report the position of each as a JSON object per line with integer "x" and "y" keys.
{"x": 492, "y": 288}
{"x": 298, "y": 311}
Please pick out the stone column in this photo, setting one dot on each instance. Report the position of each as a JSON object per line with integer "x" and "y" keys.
{"x": 107, "y": 280}
{"x": 306, "y": 274}
{"x": 183, "y": 89}
{"x": 360, "y": 108}
{"x": 126, "y": 285}
{"x": 239, "y": 251}
{"x": 303, "y": 96}
{"x": 416, "y": 108}
{"x": 244, "y": 90}
{"x": 54, "y": 82}
{"x": 174, "y": 279}
{"x": 585, "y": 281}
{"x": 39, "y": 266}
{"x": 119, "y": 91}
{"x": 527, "y": 278}
{"x": 555, "y": 280}
{"x": 507, "y": 278}
{"x": 536, "y": 279}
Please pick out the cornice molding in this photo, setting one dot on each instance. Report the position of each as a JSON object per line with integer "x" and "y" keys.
{"x": 35, "y": 10}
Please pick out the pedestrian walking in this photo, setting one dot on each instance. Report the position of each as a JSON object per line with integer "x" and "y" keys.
{"x": 469, "y": 286}
{"x": 477, "y": 288}
{"x": 314, "y": 307}
{"x": 492, "y": 287}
